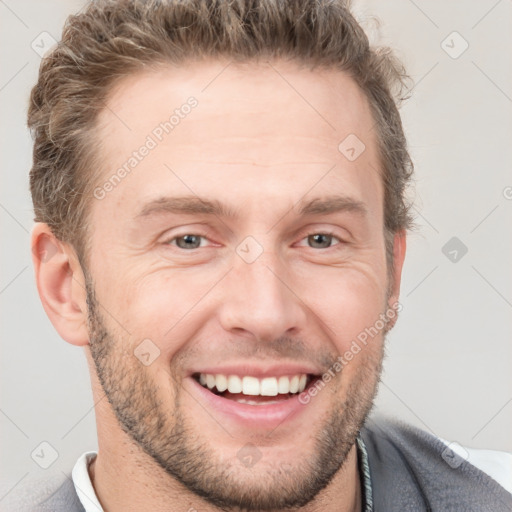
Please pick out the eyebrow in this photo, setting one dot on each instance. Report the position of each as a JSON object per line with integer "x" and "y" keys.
{"x": 194, "y": 205}
{"x": 188, "y": 205}
{"x": 332, "y": 204}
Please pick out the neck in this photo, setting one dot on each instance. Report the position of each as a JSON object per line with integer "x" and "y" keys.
{"x": 127, "y": 481}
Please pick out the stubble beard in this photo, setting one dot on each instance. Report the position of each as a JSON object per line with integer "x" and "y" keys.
{"x": 186, "y": 454}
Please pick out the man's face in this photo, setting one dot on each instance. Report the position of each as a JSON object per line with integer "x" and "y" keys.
{"x": 279, "y": 288}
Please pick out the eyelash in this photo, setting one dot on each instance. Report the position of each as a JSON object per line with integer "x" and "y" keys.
{"x": 326, "y": 233}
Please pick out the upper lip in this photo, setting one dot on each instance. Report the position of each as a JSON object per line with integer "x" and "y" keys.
{"x": 250, "y": 369}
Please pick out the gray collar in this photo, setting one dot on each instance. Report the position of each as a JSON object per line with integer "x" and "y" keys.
{"x": 364, "y": 475}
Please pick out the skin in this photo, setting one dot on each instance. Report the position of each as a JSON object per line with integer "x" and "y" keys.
{"x": 260, "y": 147}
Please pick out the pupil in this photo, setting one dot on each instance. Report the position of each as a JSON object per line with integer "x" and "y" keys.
{"x": 188, "y": 241}
{"x": 318, "y": 239}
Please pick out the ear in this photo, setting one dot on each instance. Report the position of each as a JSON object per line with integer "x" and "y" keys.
{"x": 399, "y": 249}
{"x": 61, "y": 284}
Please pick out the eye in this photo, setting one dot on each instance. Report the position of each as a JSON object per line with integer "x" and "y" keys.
{"x": 188, "y": 241}
{"x": 321, "y": 240}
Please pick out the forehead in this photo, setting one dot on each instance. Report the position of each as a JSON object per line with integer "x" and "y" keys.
{"x": 269, "y": 130}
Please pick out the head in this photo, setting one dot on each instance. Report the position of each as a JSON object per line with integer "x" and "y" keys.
{"x": 221, "y": 189}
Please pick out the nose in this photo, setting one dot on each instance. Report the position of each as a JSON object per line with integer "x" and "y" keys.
{"x": 259, "y": 300}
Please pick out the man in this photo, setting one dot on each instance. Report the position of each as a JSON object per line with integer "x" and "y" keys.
{"x": 219, "y": 190}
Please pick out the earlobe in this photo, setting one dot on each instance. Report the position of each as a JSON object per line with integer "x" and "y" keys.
{"x": 61, "y": 284}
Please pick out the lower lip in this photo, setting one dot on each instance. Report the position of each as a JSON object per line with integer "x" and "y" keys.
{"x": 259, "y": 416}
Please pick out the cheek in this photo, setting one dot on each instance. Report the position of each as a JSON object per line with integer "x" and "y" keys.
{"x": 348, "y": 301}
{"x": 165, "y": 307}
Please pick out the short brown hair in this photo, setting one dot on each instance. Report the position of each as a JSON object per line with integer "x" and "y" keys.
{"x": 113, "y": 39}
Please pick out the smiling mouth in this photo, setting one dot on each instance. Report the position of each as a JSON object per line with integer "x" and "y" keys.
{"x": 255, "y": 391}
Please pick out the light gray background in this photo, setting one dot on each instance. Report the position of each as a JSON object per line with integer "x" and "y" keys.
{"x": 449, "y": 358}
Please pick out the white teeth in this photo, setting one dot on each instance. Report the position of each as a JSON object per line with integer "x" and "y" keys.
{"x": 221, "y": 383}
{"x": 268, "y": 386}
{"x": 302, "y": 383}
{"x": 210, "y": 381}
{"x": 252, "y": 386}
{"x": 254, "y": 402}
{"x": 283, "y": 385}
{"x": 234, "y": 384}
{"x": 294, "y": 384}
